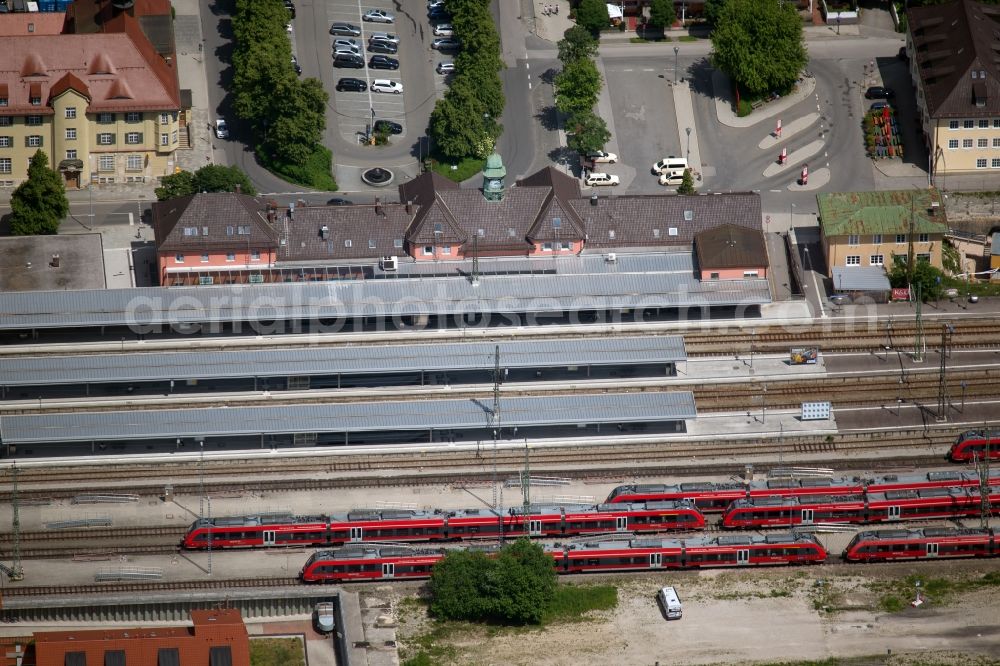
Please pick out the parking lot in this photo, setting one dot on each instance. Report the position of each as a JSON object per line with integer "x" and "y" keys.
{"x": 355, "y": 111}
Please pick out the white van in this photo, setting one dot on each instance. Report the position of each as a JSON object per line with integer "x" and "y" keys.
{"x": 670, "y": 165}
{"x": 671, "y": 603}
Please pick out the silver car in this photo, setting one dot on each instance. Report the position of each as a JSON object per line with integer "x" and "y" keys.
{"x": 378, "y": 16}
{"x": 383, "y": 37}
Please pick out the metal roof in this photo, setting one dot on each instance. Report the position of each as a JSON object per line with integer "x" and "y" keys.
{"x": 345, "y": 417}
{"x": 882, "y": 212}
{"x": 577, "y": 283}
{"x": 55, "y": 370}
{"x": 860, "y": 278}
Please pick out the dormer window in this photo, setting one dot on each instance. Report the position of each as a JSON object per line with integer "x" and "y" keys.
{"x": 611, "y": 234}
{"x": 3, "y": 101}
{"x": 35, "y": 101}
{"x": 556, "y": 222}
{"x": 688, "y": 215}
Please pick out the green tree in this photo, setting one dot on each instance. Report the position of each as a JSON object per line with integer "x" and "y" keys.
{"x": 758, "y": 43}
{"x": 661, "y": 14}
{"x": 209, "y": 178}
{"x": 923, "y": 274}
{"x": 577, "y": 43}
{"x": 38, "y": 204}
{"x": 712, "y": 10}
{"x": 298, "y": 121}
{"x": 452, "y": 125}
{"x": 687, "y": 183}
{"x": 455, "y": 586}
{"x": 593, "y": 15}
{"x": 577, "y": 86}
{"x": 586, "y": 132}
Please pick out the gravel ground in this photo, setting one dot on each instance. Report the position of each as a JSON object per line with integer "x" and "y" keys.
{"x": 742, "y": 617}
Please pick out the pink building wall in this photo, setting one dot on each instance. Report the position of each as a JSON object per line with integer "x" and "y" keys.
{"x": 732, "y": 273}
{"x": 215, "y": 259}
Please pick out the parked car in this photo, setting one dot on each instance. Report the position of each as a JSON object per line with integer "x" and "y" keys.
{"x": 444, "y": 30}
{"x": 596, "y": 179}
{"x": 337, "y": 201}
{"x": 671, "y": 178}
{"x": 432, "y": 4}
{"x": 386, "y": 86}
{"x": 878, "y": 92}
{"x": 878, "y": 106}
{"x": 438, "y": 14}
{"x": 378, "y": 46}
{"x": 446, "y": 44}
{"x": 670, "y": 164}
{"x": 295, "y": 65}
{"x": 325, "y": 622}
{"x": 341, "y": 28}
{"x": 445, "y": 67}
{"x": 382, "y": 62}
{"x": 600, "y": 156}
{"x": 350, "y": 84}
{"x": 378, "y": 16}
{"x": 352, "y": 60}
{"x": 221, "y": 130}
{"x": 353, "y": 43}
{"x": 288, "y": 27}
{"x": 342, "y": 48}
{"x": 384, "y": 37}
{"x": 388, "y": 126}
{"x": 290, "y": 6}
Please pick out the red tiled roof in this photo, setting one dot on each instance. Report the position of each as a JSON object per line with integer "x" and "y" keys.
{"x": 69, "y": 82}
{"x": 41, "y": 23}
{"x": 141, "y": 79}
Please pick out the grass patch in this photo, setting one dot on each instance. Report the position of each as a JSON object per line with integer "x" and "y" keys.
{"x": 571, "y": 602}
{"x": 638, "y": 40}
{"x": 431, "y": 647}
{"x": 896, "y": 595}
{"x": 467, "y": 168}
{"x": 977, "y": 288}
{"x": 314, "y": 172}
{"x": 688, "y": 38}
{"x": 276, "y": 652}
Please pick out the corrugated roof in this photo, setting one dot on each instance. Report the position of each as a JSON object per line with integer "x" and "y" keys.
{"x": 730, "y": 246}
{"x": 860, "y": 278}
{"x": 96, "y": 368}
{"x": 955, "y": 53}
{"x": 995, "y": 244}
{"x": 346, "y": 417}
{"x": 885, "y": 212}
{"x": 582, "y": 282}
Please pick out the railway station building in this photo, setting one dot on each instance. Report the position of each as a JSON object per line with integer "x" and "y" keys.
{"x": 878, "y": 230}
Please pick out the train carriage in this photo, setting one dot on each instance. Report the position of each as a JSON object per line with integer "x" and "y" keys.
{"x": 792, "y": 511}
{"x": 929, "y": 503}
{"x": 370, "y": 562}
{"x": 257, "y": 531}
{"x": 753, "y": 550}
{"x": 618, "y": 555}
{"x": 921, "y": 544}
{"x": 373, "y": 526}
{"x": 975, "y": 444}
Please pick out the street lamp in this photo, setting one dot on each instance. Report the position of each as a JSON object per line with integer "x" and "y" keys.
{"x": 791, "y": 218}
{"x": 677, "y": 50}
{"x": 688, "y": 130}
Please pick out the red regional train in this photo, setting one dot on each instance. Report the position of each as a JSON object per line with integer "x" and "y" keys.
{"x": 973, "y": 443}
{"x": 713, "y": 497}
{"x": 388, "y": 562}
{"x": 929, "y": 543}
{"x": 366, "y": 526}
{"x": 891, "y": 506}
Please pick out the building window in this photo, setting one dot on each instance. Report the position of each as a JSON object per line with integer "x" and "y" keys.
{"x": 255, "y": 255}
{"x": 5, "y": 164}
{"x": 35, "y": 101}
{"x": 173, "y": 137}
{"x": 546, "y": 247}
{"x": 230, "y": 256}
{"x": 750, "y": 274}
{"x": 70, "y": 112}
{"x": 980, "y": 163}
{"x": 876, "y": 239}
{"x": 133, "y": 137}
{"x": 952, "y": 143}
{"x": 33, "y": 141}
{"x": 71, "y": 154}
{"x": 133, "y": 117}
{"x": 106, "y": 163}
{"x": 996, "y": 123}
{"x": 165, "y": 139}
{"x": 853, "y": 239}
{"x": 164, "y": 118}
{"x": 953, "y": 124}
{"x": 204, "y": 257}
{"x": 969, "y": 124}
{"x": 71, "y": 134}
{"x": 966, "y": 143}
{"x": 995, "y": 163}
{"x": 243, "y": 229}
{"x": 996, "y": 143}
{"x": 924, "y": 256}
{"x": 446, "y": 249}
{"x": 900, "y": 239}
{"x": 983, "y": 143}
{"x": 876, "y": 260}
{"x": 134, "y": 163}
{"x": 924, "y": 238}
{"x": 854, "y": 260}
{"x": 984, "y": 123}
{"x": 6, "y": 141}
{"x": 105, "y": 118}
{"x": 105, "y": 139}
{"x": 3, "y": 101}
{"x": 428, "y": 249}
{"x": 713, "y": 276}
{"x": 6, "y": 121}
{"x": 33, "y": 121}
{"x": 179, "y": 258}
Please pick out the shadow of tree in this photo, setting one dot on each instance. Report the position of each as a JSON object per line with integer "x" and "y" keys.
{"x": 567, "y": 157}
{"x": 699, "y": 77}
{"x": 546, "y": 116}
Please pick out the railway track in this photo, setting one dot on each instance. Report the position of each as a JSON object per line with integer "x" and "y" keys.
{"x": 132, "y": 588}
{"x": 95, "y": 543}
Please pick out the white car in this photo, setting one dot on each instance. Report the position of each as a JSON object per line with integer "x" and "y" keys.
{"x": 445, "y": 67}
{"x": 670, "y": 163}
{"x": 600, "y": 156}
{"x": 383, "y": 37}
{"x": 221, "y": 131}
{"x": 346, "y": 48}
{"x": 288, "y": 27}
{"x": 671, "y": 178}
{"x": 433, "y": 4}
{"x": 349, "y": 43}
{"x": 386, "y": 86}
{"x": 596, "y": 179}
{"x": 444, "y": 30}
{"x": 378, "y": 16}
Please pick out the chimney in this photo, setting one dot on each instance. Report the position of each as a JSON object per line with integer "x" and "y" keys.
{"x": 593, "y": 199}
{"x": 55, "y": 261}
{"x": 378, "y": 208}
{"x": 324, "y": 232}
{"x": 409, "y": 207}
{"x": 238, "y": 189}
